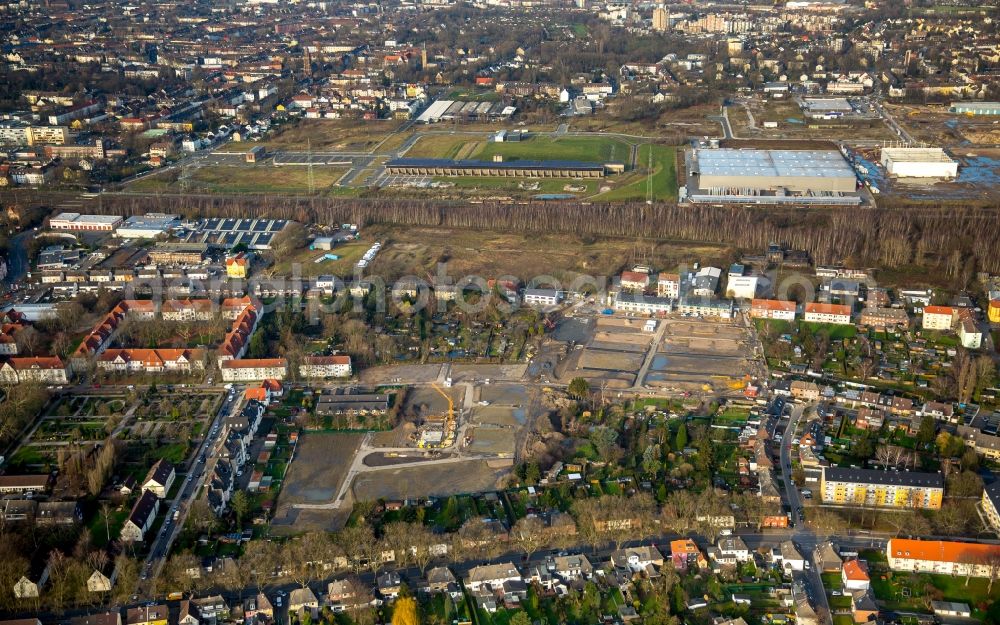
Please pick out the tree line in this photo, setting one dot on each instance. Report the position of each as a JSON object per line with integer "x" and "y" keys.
{"x": 955, "y": 238}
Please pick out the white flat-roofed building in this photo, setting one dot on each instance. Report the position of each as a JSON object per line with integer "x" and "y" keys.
{"x": 147, "y": 226}
{"x": 919, "y": 163}
{"x": 92, "y": 223}
{"x": 976, "y": 108}
{"x": 642, "y": 304}
{"x": 541, "y": 297}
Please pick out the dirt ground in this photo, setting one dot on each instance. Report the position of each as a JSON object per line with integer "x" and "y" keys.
{"x": 933, "y": 124}
{"x": 696, "y": 351}
{"x": 321, "y": 462}
{"x": 315, "y": 476}
{"x": 416, "y": 251}
{"x": 438, "y": 480}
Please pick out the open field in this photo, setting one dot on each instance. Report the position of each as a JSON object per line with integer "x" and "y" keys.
{"x": 332, "y": 135}
{"x": 536, "y": 147}
{"x": 702, "y": 351}
{"x": 933, "y": 124}
{"x": 793, "y": 124}
{"x": 305, "y": 260}
{"x": 539, "y": 148}
{"x": 320, "y": 465}
{"x": 263, "y": 178}
{"x": 658, "y": 181}
{"x": 435, "y": 480}
{"x": 415, "y": 251}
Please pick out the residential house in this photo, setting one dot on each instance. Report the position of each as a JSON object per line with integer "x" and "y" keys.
{"x": 941, "y": 557}
{"x": 731, "y": 550}
{"x": 990, "y": 505}
{"x": 99, "y": 582}
{"x": 827, "y": 559}
{"x": 258, "y": 607}
{"x": 155, "y": 614}
{"x": 837, "y": 314}
{"x": 891, "y": 489}
{"x": 253, "y": 369}
{"x": 772, "y": 309}
{"x": 43, "y": 369}
{"x": 491, "y": 576}
{"x": 855, "y": 575}
{"x": 439, "y": 579}
{"x": 668, "y": 285}
{"x": 211, "y": 608}
{"x": 938, "y": 318}
{"x": 864, "y": 608}
{"x": 337, "y": 366}
{"x": 541, "y": 297}
{"x": 24, "y": 483}
{"x": 573, "y": 567}
{"x": 634, "y": 281}
{"x": 141, "y": 518}
{"x": 101, "y": 618}
{"x": 160, "y": 478}
{"x": 685, "y": 553}
{"x": 301, "y": 599}
{"x": 389, "y": 584}
{"x": 789, "y": 557}
{"x": 187, "y": 613}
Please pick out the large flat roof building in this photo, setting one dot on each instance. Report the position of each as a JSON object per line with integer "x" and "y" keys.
{"x": 919, "y": 163}
{"x": 771, "y": 176}
{"x": 976, "y": 108}
{"x": 520, "y": 169}
{"x": 76, "y": 221}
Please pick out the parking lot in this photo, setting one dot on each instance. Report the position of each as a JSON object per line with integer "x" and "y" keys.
{"x": 396, "y": 180}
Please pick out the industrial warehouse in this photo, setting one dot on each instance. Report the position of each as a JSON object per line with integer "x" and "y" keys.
{"x": 918, "y": 163}
{"x": 753, "y": 176}
{"x": 513, "y": 169}
{"x": 450, "y": 110}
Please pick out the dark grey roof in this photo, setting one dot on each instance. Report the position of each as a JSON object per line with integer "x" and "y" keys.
{"x": 887, "y": 478}
{"x": 443, "y": 162}
{"x": 160, "y": 472}
{"x": 143, "y": 509}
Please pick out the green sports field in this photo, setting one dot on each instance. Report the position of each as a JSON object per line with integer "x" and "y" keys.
{"x": 535, "y": 148}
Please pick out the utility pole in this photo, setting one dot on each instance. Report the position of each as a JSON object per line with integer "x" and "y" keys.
{"x": 312, "y": 179}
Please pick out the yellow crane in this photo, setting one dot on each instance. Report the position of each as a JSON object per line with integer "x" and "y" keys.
{"x": 451, "y": 404}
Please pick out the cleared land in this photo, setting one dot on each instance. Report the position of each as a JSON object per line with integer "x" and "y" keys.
{"x": 700, "y": 351}
{"x": 417, "y": 251}
{"x": 793, "y": 124}
{"x": 437, "y": 480}
{"x": 242, "y": 179}
{"x": 320, "y": 465}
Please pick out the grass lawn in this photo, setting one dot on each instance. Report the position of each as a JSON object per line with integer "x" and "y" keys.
{"x": 101, "y": 531}
{"x": 349, "y": 254}
{"x": 636, "y": 186}
{"x": 541, "y": 148}
{"x": 837, "y": 332}
{"x": 890, "y": 588}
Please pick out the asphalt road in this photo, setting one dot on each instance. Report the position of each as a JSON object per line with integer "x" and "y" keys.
{"x": 17, "y": 257}
{"x": 159, "y": 548}
{"x": 803, "y": 536}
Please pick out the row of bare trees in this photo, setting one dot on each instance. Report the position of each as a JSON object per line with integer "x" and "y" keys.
{"x": 955, "y": 238}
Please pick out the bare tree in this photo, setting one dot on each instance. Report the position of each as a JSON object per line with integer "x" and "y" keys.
{"x": 529, "y": 534}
